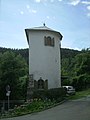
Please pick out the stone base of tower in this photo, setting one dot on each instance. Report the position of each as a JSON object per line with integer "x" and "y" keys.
{"x": 34, "y": 85}
{"x": 30, "y": 93}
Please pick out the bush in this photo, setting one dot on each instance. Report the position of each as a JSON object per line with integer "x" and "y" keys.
{"x": 81, "y": 82}
{"x": 52, "y": 94}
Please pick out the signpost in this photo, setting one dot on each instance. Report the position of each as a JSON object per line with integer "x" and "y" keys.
{"x": 8, "y": 94}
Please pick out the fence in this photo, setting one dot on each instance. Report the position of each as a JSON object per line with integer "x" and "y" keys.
{"x": 4, "y": 104}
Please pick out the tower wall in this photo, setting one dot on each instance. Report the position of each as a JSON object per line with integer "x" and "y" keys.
{"x": 44, "y": 61}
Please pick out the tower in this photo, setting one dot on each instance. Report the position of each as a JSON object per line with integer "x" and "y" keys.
{"x": 44, "y": 57}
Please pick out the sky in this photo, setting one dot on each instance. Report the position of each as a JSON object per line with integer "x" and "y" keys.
{"x": 69, "y": 17}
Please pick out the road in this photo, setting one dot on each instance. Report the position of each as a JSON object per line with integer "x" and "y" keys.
{"x": 70, "y": 110}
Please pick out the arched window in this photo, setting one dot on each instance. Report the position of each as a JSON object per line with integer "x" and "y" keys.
{"x": 48, "y": 41}
{"x": 40, "y": 84}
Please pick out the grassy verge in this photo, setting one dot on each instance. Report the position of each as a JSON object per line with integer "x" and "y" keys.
{"x": 28, "y": 108}
{"x": 80, "y": 94}
{"x": 37, "y": 106}
{"x": 45, "y": 100}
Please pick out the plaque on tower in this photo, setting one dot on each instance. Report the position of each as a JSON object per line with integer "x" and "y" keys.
{"x": 31, "y": 81}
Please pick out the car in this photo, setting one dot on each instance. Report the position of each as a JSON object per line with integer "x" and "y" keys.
{"x": 70, "y": 90}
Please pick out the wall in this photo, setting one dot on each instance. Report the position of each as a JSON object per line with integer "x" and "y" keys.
{"x": 44, "y": 60}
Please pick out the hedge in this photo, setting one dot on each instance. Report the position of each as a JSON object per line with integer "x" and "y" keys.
{"x": 52, "y": 94}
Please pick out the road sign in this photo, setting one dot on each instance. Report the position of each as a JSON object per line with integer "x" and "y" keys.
{"x": 8, "y": 88}
{"x": 8, "y": 93}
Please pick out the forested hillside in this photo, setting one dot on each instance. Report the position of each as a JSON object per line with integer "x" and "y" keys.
{"x": 23, "y": 52}
{"x": 68, "y": 53}
{"x": 67, "y": 61}
{"x": 65, "y": 53}
{"x": 75, "y": 70}
{"x": 13, "y": 72}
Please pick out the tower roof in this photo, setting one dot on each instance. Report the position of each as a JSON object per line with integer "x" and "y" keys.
{"x": 42, "y": 28}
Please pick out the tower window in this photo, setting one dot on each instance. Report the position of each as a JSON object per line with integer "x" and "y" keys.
{"x": 48, "y": 41}
{"x": 40, "y": 84}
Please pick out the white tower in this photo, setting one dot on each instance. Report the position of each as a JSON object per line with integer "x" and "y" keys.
{"x": 44, "y": 57}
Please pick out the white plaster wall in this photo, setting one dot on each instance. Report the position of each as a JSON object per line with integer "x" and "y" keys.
{"x": 44, "y": 60}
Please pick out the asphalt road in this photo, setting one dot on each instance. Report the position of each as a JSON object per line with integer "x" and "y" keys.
{"x": 70, "y": 110}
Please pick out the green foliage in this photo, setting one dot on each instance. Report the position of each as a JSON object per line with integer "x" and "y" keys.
{"x": 82, "y": 65}
{"x": 81, "y": 79}
{"x": 66, "y": 82}
{"x": 23, "y": 52}
{"x": 53, "y": 94}
{"x": 77, "y": 69}
{"x": 36, "y": 105}
{"x": 75, "y": 66}
{"x": 12, "y": 67}
{"x": 81, "y": 82}
{"x": 68, "y": 53}
{"x": 27, "y": 108}
{"x": 68, "y": 62}
{"x": 80, "y": 94}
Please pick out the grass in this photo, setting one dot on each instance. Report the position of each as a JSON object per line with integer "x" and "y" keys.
{"x": 80, "y": 94}
{"x": 35, "y": 106}
{"x": 38, "y": 106}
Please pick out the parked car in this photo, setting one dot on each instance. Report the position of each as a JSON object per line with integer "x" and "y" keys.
{"x": 70, "y": 90}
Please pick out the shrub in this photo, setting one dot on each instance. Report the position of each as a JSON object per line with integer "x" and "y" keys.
{"x": 52, "y": 94}
{"x": 81, "y": 82}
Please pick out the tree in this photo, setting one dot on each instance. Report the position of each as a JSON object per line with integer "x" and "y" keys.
{"x": 12, "y": 67}
{"x": 82, "y": 70}
{"x": 82, "y": 65}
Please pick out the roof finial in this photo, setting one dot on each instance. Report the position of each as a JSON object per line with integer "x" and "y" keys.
{"x": 43, "y": 24}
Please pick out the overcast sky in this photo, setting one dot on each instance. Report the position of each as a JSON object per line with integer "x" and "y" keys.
{"x": 69, "y": 17}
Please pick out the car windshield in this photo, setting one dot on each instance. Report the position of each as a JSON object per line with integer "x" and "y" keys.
{"x": 70, "y": 88}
